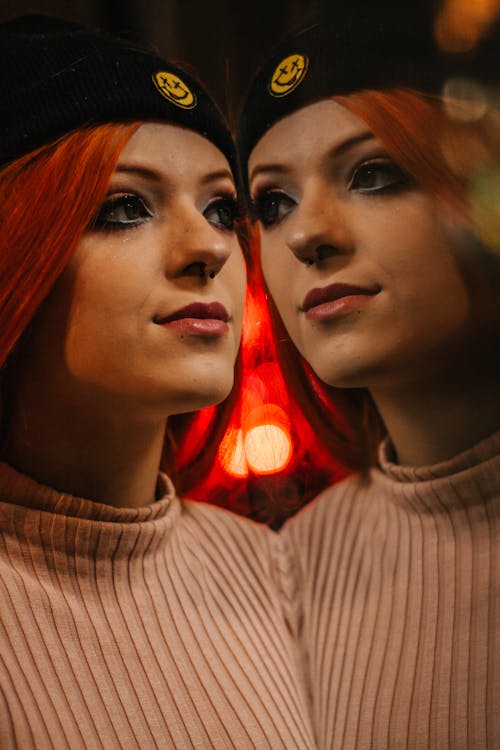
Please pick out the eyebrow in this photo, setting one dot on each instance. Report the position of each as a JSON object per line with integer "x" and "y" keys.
{"x": 156, "y": 176}
{"x": 217, "y": 175}
{"x": 336, "y": 151}
{"x": 150, "y": 174}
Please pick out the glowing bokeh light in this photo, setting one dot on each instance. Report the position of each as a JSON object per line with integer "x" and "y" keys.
{"x": 232, "y": 454}
{"x": 461, "y": 23}
{"x": 464, "y": 99}
{"x": 263, "y": 445}
{"x": 268, "y": 448}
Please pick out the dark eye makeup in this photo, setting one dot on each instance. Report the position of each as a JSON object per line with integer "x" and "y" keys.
{"x": 222, "y": 212}
{"x": 129, "y": 210}
{"x": 378, "y": 176}
{"x": 270, "y": 206}
{"x": 122, "y": 211}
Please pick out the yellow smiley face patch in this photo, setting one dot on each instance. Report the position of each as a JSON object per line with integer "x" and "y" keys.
{"x": 174, "y": 89}
{"x": 290, "y": 72}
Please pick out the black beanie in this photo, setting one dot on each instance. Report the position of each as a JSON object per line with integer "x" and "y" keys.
{"x": 351, "y": 46}
{"x": 56, "y": 75}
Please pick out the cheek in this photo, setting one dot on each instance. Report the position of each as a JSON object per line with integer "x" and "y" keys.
{"x": 279, "y": 268}
{"x": 234, "y": 276}
{"x": 114, "y": 283}
{"x": 108, "y": 295}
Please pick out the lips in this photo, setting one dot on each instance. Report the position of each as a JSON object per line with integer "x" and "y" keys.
{"x": 199, "y": 310}
{"x": 320, "y": 296}
{"x": 336, "y": 300}
{"x": 198, "y": 319}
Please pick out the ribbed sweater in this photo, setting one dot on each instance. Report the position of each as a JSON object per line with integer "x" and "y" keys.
{"x": 159, "y": 627}
{"x": 400, "y": 605}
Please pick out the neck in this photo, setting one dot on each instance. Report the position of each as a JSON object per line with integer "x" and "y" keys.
{"x": 435, "y": 419}
{"x": 102, "y": 454}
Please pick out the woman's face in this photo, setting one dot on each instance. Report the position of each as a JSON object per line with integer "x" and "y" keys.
{"x": 361, "y": 263}
{"x": 149, "y": 309}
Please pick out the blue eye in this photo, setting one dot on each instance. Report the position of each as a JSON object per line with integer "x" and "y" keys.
{"x": 377, "y": 176}
{"x": 271, "y": 206}
{"x": 222, "y": 213}
{"x": 121, "y": 212}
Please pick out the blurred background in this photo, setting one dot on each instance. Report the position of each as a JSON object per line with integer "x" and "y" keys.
{"x": 223, "y": 39}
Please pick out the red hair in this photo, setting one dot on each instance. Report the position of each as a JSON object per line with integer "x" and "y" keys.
{"x": 441, "y": 142}
{"x": 443, "y": 154}
{"x": 333, "y": 431}
{"x": 47, "y": 199}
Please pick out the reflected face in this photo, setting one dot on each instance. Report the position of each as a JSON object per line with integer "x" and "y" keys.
{"x": 359, "y": 260}
{"x": 148, "y": 311}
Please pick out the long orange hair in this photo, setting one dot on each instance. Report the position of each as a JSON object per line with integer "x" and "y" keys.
{"x": 446, "y": 147}
{"x": 47, "y": 199}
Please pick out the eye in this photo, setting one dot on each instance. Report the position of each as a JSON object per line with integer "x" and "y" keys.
{"x": 121, "y": 212}
{"x": 271, "y": 206}
{"x": 222, "y": 213}
{"x": 378, "y": 176}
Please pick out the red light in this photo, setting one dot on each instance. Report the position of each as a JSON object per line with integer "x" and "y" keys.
{"x": 263, "y": 445}
{"x": 232, "y": 454}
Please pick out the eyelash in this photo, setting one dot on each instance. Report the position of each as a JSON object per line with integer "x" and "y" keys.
{"x": 273, "y": 199}
{"x": 103, "y": 222}
{"x": 266, "y": 200}
{"x": 228, "y": 203}
{"x": 398, "y": 179}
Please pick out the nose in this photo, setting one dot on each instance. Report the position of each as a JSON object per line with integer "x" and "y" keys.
{"x": 195, "y": 247}
{"x": 319, "y": 227}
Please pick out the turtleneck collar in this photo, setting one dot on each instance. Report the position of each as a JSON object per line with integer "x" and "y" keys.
{"x": 470, "y": 478}
{"x": 479, "y": 454}
{"x": 41, "y": 515}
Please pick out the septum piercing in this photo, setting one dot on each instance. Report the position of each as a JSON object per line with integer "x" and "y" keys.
{"x": 203, "y": 274}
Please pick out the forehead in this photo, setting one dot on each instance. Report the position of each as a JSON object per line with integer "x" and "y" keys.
{"x": 315, "y": 129}
{"x": 173, "y": 149}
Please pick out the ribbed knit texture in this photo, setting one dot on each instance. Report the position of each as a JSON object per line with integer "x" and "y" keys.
{"x": 158, "y": 627}
{"x": 400, "y": 611}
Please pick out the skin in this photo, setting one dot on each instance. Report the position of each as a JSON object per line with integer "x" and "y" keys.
{"x": 99, "y": 375}
{"x": 335, "y": 209}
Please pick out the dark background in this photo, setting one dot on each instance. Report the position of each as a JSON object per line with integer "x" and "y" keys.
{"x": 223, "y": 39}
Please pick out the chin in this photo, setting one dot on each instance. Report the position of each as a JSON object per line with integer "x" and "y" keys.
{"x": 201, "y": 397}
{"x": 354, "y": 373}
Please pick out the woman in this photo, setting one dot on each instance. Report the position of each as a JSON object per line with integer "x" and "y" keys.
{"x": 379, "y": 245}
{"x": 129, "y": 618}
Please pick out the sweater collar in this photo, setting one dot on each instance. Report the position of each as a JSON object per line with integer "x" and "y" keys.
{"x": 472, "y": 478}
{"x": 481, "y": 453}
{"x": 19, "y": 489}
{"x": 56, "y": 522}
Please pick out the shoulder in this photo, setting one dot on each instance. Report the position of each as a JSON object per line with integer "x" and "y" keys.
{"x": 330, "y": 512}
{"x": 330, "y": 502}
{"x": 212, "y": 517}
{"x": 234, "y": 553}
{"x": 221, "y": 532}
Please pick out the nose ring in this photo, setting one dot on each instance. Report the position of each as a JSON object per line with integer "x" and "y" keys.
{"x": 203, "y": 273}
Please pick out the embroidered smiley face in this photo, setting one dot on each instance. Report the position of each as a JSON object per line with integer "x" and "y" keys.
{"x": 174, "y": 89}
{"x": 288, "y": 74}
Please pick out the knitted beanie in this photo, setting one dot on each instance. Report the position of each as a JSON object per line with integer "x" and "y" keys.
{"x": 56, "y": 75}
{"x": 356, "y": 45}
